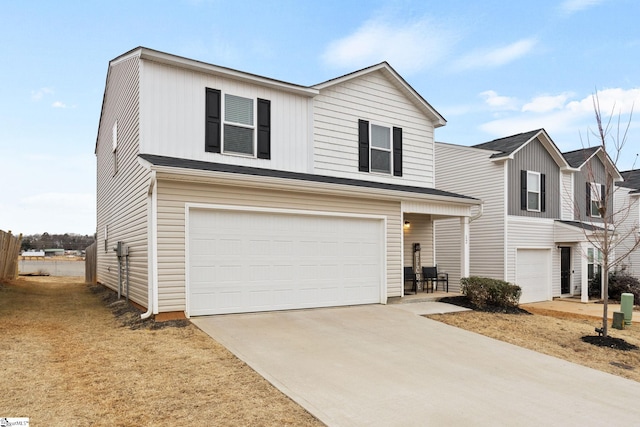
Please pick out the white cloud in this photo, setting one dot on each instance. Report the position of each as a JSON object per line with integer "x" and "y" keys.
{"x": 496, "y": 57}
{"x": 572, "y": 6}
{"x": 407, "y": 46}
{"x": 566, "y": 120}
{"x": 546, "y": 103}
{"x": 58, "y": 104}
{"x": 37, "y": 95}
{"x": 498, "y": 102}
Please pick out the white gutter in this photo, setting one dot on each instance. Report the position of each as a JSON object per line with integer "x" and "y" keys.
{"x": 151, "y": 245}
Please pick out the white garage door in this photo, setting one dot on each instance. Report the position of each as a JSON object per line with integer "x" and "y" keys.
{"x": 245, "y": 261}
{"x": 533, "y": 274}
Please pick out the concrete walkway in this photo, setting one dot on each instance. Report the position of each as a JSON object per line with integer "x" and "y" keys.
{"x": 377, "y": 365}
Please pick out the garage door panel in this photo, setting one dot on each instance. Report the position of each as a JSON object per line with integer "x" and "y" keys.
{"x": 255, "y": 261}
{"x": 533, "y": 274}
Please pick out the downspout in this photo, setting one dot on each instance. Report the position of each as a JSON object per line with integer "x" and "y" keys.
{"x": 151, "y": 247}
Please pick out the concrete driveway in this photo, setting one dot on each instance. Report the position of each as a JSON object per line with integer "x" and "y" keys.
{"x": 386, "y": 366}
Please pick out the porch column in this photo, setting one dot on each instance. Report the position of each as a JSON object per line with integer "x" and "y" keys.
{"x": 584, "y": 295}
{"x": 464, "y": 246}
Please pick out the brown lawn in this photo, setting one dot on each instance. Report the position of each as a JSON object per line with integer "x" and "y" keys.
{"x": 555, "y": 334}
{"x": 67, "y": 360}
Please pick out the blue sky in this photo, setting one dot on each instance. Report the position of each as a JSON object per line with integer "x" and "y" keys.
{"x": 491, "y": 68}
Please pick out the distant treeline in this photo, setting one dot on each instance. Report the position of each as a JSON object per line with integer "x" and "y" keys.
{"x": 67, "y": 241}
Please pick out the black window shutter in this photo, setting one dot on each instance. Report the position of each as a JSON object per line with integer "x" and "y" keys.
{"x": 543, "y": 192}
{"x": 523, "y": 190}
{"x": 397, "y": 151}
{"x": 363, "y": 146}
{"x": 588, "y": 199}
{"x": 212, "y": 121}
{"x": 603, "y": 196}
{"x": 264, "y": 129}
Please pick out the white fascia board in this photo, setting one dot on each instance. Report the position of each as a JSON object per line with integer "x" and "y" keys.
{"x": 242, "y": 180}
{"x": 203, "y": 67}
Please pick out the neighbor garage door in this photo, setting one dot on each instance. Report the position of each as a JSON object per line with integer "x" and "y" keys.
{"x": 533, "y": 274}
{"x": 245, "y": 261}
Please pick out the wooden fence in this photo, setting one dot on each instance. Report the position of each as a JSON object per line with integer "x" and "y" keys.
{"x": 9, "y": 253}
{"x": 91, "y": 264}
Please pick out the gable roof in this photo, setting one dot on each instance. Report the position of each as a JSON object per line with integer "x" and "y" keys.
{"x": 577, "y": 158}
{"x": 201, "y": 167}
{"x": 508, "y": 146}
{"x": 631, "y": 180}
{"x": 386, "y": 69}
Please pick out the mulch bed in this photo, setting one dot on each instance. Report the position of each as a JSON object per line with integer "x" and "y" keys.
{"x": 463, "y": 301}
{"x": 610, "y": 342}
{"x": 129, "y": 315}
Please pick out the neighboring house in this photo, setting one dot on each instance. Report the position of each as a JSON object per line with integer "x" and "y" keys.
{"x": 627, "y": 206}
{"x": 231, "y": 192}
{"x": 534, "y": 225}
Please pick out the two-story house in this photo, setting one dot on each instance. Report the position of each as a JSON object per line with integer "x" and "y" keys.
{"x": 627, "y": 208}
{"x": 231, "y": 192}
{"x": 536, "y": 221}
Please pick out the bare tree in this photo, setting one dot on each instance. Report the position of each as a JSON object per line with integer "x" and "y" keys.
{"x": 611, "y": 228}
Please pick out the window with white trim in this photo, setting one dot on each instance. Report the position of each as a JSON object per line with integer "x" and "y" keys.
{"x": 596, "y": 199}
{"x": 594, "y": 264}
{"x": 380, "y": 149}
{"x": 239, "y": 125}
{"x": 533, "y": 191}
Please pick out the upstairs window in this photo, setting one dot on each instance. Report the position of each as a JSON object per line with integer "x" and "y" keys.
{"x": 233, "y": 128}
{"x": 238, "y": 125}
{"x": 379, "y": 148}
{"x": 595, "y": 199}
{"x": 532, "y": 191}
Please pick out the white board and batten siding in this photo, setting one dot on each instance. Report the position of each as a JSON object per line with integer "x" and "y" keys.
{"x": 337, "y": 110}
{"x": 566, "y": 195}
{"x": 174, "y": 196}
{"x": 469, "y": 171}
{"x": 173, "y": 118}
{"x": 122, "y": 192}
{"x": 530, "y": 242}
{"x": 247, "y": 260}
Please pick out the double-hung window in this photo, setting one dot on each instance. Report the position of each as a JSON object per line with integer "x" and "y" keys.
{"x": 533, "y": 191}
{"x": 379, "y": 148}
{"x": 237, "y": 125}
{"x": 595, "y": 199}
{"x": 238, "y": 129}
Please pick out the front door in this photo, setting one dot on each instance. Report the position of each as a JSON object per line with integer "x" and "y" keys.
{"x": 565, "y": 270}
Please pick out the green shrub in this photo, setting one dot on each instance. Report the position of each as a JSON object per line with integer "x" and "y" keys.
{"x": 483, "y": 291}
{"x": 622, "y": 282}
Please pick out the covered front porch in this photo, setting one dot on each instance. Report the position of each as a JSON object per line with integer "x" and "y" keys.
{"x": 419, "y": 249}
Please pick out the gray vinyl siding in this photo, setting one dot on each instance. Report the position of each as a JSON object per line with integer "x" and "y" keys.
{"x": 470, "y": 171}
{"x": 592, "y": 171}
{"x": 173, "y": 195}
{"x": 121, "y": 198}
{"x": 534, "y": 157}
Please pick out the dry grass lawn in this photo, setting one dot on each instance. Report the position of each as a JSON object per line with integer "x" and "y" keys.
{"x": 555, "y": 334}
{"x": 67, "y": 360}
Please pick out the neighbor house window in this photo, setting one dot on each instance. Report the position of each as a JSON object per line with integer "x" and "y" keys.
{"x": 532, "y": 191}
{"x": 595, "y": 199}
{"x": 379, "y": 148}
{"x": 237, "y": 125}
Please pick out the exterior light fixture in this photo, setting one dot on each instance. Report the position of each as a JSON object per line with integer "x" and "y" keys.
{"x": 407, "y": 224}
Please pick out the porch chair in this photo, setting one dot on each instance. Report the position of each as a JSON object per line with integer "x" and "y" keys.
{"x": 430, "y": 276}
{"x": 410, "y": 276}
